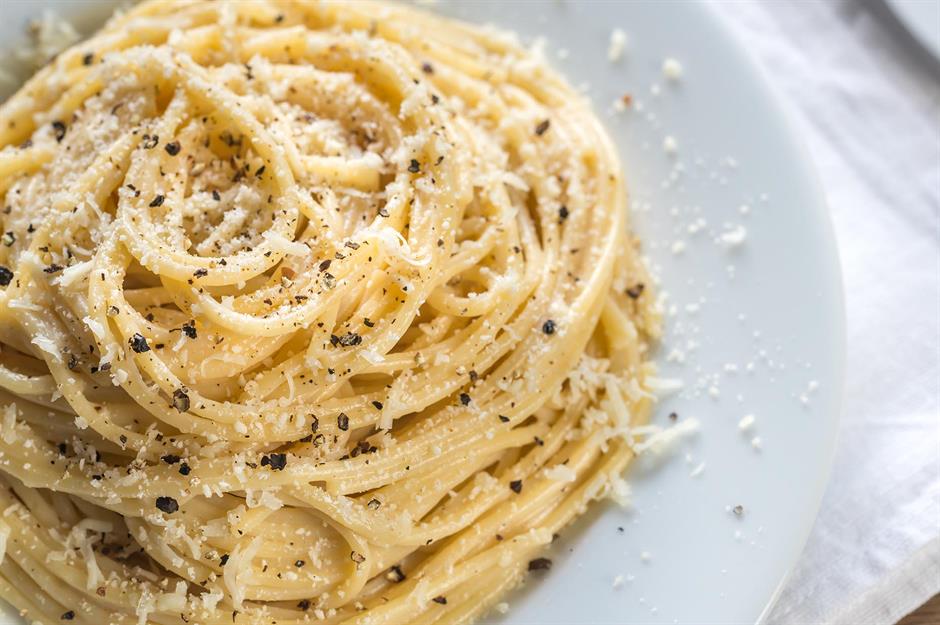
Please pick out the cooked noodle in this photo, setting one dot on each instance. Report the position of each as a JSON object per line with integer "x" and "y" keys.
{"x": 310, "y": 313}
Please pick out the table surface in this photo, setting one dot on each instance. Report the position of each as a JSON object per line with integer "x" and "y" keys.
{"x": 927, "y": 614}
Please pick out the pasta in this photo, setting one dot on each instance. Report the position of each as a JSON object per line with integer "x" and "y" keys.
{"x": 308, "y": 313}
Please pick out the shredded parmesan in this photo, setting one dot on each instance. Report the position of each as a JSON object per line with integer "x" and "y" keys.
{"x": 561, "y": 473}
{"x": 618, "y": 40}
{"x": 662, "y": 440}
{"x": 9, "y": 424}
{"x": 672, "y": 69}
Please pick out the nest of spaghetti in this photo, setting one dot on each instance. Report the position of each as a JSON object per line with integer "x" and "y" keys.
{"x": 307, "y": 311}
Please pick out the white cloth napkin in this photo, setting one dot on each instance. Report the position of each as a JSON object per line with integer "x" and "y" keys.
{"x": 866, "y": 98}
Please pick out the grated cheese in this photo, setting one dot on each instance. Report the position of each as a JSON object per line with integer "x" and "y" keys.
{"x": 734, "y": 237}
{"x": 672, "y": 69}
{"x": 618, "y": 40}
{"x": 664, "y": 439}
{"x": 561, "y": 473}
{"x": 9, "y": 423}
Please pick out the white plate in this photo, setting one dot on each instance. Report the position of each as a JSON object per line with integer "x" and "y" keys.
{"x": 779, "y": 310}
{"x": 922, "y": 19}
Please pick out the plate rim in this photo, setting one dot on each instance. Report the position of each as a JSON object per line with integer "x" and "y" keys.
{"x": 838, "y": 316}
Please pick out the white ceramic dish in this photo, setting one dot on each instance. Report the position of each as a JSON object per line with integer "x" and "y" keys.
{"x": 922, "y": 20}
{"x": 683, "y": 556}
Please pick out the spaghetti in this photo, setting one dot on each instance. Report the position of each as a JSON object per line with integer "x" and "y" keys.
{"x": 308, "y": 312}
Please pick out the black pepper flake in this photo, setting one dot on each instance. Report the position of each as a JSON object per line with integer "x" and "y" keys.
{"x": 325, "y": 265}
{"x": 504, "y": 418}
{"x": 156, "y": 201}
{"x": 298, "y": 563}
{"x": 427, "y": 68}
{"x": 368, "y": 323}
{"x": 441, "y": 599}
{"x": 540, "y": 564}
{"x": 377, "y": 404}
{"x": 167, "y": 504}
{"x": 395, "y": 574}
{"x": 563, "y": 212}
{"x": 351, "y": 245}
{"x": 200, "y": 273}
{"x": 73, "y": 362}
{"x": 542, "y": 127}
{"x": 184, "y": 469}
{"x": 259, "y": 171}
{"x": 464, "y": 399}
{"x": 150, "y": 141}
{"x": 342, "y": 421}
{"x": 228, "y": 139}
{"x": 170, "y": 458}
{"x": 304, "y": 604}
{"x": 415, "y": 166}
{"x": 172, "y": 148}
{"x": 224, "y": 559}
{"x": 277, "y": 462}
{"x": 474, "y": 376}
{"x": 88, "y": 59}
{"x": 138, "y": 343}
{"x": 673, "y": 416}
{"x": 548, "y": 327}
{"x": 350, "y": 339}
{"x": 53, "y": 268}
{"x": 374, "y": 504}
{"x": 516, "y": 486}
{"x": 315, "y": 425}
{"x": 6, "y": 276}
{"x": 216, "y": 196}
{"x": 59, "y": 130}
{"x": 189, "y": 329}
{"x": 634, "y": 292}
{"x": 67, "y": 616}
{"x": 180, "y": 400}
